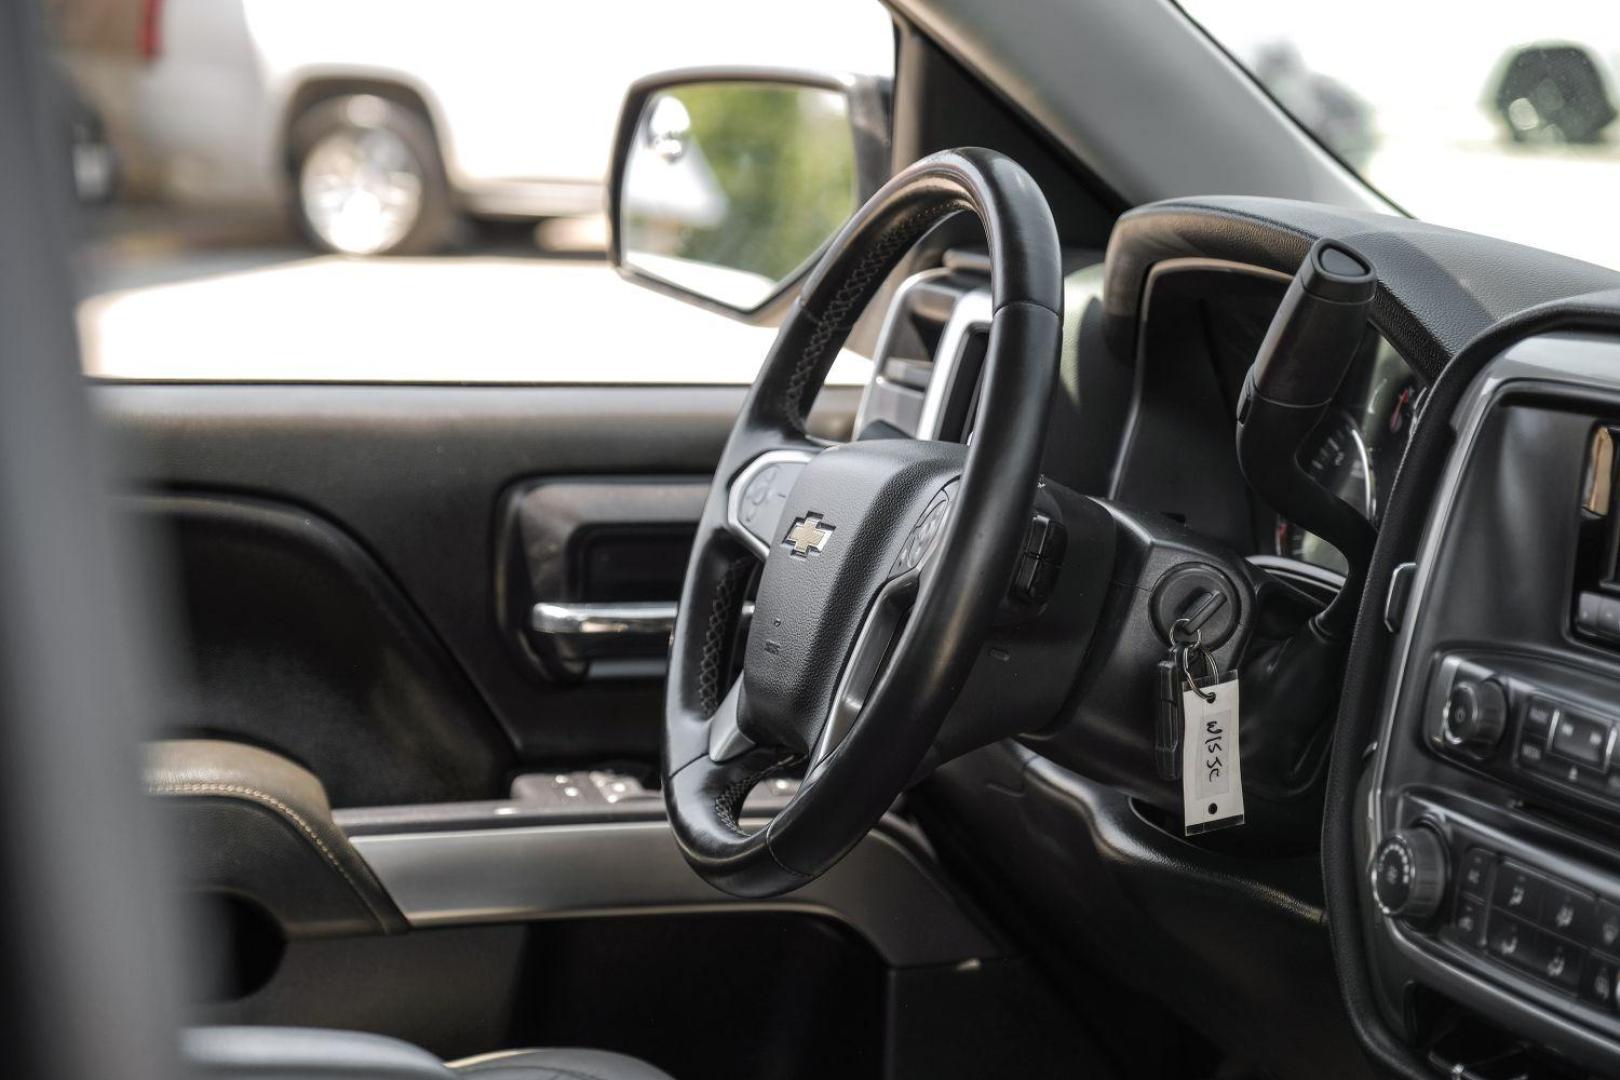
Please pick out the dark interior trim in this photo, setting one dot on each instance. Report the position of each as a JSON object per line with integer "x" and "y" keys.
{"x": 888, "y": 889}
{"x": 414, "y": 475}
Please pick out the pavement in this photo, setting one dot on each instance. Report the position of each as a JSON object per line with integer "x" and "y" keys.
{"x": 226, "y": 298}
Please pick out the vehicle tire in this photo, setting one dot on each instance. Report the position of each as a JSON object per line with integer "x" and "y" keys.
{"x": 1553, "y": 94}
{"x": 367, "y": 178}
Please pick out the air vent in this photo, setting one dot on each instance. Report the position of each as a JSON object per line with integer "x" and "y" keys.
{"x": 929, "y": 356}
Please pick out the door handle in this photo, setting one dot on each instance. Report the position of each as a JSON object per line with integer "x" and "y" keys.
{"x": 599, "y": 631}
{"x": 602, "y": 621}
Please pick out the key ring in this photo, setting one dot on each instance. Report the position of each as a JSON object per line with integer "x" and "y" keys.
{"x": 1186, "y": 668}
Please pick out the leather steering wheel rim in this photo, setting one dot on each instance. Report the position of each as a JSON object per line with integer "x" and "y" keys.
{"x": 863, "y": 541}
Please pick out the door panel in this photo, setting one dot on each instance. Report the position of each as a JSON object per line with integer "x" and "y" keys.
{"x": 591, "y": 568}
{"x": 303, "y": 501}
{"x": 299, "y": 642}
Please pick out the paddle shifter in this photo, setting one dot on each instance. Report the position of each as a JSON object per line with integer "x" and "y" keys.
{"x": 1309, "y": 347}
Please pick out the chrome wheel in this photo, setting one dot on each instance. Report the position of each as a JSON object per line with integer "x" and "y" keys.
{"x": 361, "y": 189}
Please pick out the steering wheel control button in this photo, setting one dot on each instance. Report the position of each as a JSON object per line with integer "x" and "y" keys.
{"x": 1475, "y": 876}
{"x": 1475, "y": 716}
{"x": 1409, "y": 874}
{"x": 1034, "y": 575}
{"x": 757, "y": 492}
{"x": 924, "y": 535}
{"x": 760, "y": 495}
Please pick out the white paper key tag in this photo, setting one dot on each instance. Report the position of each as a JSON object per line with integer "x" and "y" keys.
{"x": 1211, "y": 767}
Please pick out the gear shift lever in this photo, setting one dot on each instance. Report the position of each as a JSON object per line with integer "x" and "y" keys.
{"x": 1312, "y": 340}
{"x": 1291, "y": 686}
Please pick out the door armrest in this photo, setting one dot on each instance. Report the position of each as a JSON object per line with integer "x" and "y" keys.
{"x": 287, "y": 1053}
{"x": 257, "y": 825}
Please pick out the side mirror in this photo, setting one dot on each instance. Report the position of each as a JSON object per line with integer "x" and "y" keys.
{"x": 727, "y": 183}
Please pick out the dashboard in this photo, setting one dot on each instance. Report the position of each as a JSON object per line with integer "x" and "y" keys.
{"x": 1356, "y": 449}
{"x": 1472, "y": 864}
{"x": 1470, "y": 820}
{"x": 1493, "y": 871}
{"x": 1201, "y": 328}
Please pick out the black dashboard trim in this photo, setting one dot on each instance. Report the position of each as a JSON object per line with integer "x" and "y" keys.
{"x": 1438, "y": 288}
{"x": 1362, "y": 706}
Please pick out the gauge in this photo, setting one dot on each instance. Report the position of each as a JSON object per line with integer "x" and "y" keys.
{"x": 1336, "y": 457}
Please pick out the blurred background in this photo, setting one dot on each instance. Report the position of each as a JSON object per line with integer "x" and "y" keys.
{"x": 410, "y": 190}
{"x": 1497, "y": 118}
{"x": 392, "y": 190}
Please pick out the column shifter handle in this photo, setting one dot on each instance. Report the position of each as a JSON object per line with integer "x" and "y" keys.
{"x": 1307, "y": 350}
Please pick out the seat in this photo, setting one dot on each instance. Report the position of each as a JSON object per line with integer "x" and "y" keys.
{"x": 285, "y": 1053}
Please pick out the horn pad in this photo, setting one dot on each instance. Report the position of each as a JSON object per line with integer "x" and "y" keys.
{"x": 838, "y": 541}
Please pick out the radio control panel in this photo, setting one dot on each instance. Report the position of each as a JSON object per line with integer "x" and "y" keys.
{"x": 1496, "y": 902}
{"x": 1535, "y": 727}
{"x": 1536, "y": 925}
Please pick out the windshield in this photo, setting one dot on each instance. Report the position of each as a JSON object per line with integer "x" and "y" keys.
{"x": 1500, "y": 120}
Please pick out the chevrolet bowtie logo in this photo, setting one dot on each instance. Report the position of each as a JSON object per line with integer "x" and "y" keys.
{"x": 808, "y": 534}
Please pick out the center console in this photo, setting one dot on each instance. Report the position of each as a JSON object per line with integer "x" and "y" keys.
{"x": 1491, "y": 841}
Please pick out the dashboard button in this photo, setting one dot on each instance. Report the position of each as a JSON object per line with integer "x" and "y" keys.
{"x": 1569, "y": 912}
{"x": 1517, "y": 943}
{"x": 1597, "y": 980}
{"x": 1606, "y": 934}
{"x": 1538, "y": 717}
{"x": 1475, "y": 715}
{"x": 1580, "y": 738}
{"x": 1475, "y": 878}
{"x": 1599, "y": 614}
{"x": 1562, "y": 964}
{"x": 1409, "y": 872}
{"x": 1518, "y": 892}
{"x": 1468, "y": 925}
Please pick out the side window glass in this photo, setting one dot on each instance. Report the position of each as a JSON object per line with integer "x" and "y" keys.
{"x": 274, "y": 190}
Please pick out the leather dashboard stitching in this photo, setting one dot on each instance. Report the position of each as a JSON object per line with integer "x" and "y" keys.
{"x": 266, "y": 799}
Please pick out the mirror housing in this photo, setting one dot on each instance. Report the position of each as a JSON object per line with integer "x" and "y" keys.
{"x": 736, "y": 233}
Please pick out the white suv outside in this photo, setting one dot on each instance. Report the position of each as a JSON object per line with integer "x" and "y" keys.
{"x": 379, "y": 123}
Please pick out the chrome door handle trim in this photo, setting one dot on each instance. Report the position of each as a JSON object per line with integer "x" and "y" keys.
{"x": 590, "y": 620}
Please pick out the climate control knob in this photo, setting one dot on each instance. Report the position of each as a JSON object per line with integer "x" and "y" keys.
{"x": 1476, "y": 715}
{"x": 1409, "y": 874}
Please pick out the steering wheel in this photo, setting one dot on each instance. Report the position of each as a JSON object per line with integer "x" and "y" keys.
{"x": 884, "y": 560}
